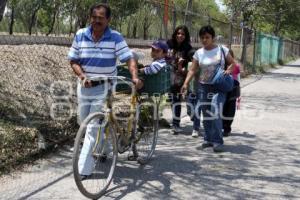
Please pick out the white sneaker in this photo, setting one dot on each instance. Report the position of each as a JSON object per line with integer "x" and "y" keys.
{"x": 195, "y": 133}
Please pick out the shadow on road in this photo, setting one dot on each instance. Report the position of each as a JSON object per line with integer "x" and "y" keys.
{"x": 182, "y": 161}
{"x": 239, "y": 149}
{"x": 280, "y": 75}
{"x": 291, "y": 65}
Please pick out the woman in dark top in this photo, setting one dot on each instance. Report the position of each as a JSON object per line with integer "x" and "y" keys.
{"x": 179, "y": 47}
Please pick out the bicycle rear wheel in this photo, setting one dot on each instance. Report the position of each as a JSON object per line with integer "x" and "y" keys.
{"x": 147, "y": 130}
{"x": 95, "y": 155}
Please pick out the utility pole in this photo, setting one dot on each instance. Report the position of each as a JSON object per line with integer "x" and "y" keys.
{"x": 187, "y": 20}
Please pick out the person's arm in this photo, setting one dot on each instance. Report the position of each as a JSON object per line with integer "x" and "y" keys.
{"x": 77, "y": 70}
{"x": 238, "y": 68}
{"x": 125, "y": 55}
{"x": 231, "y": 64}
{"x": 190, "y": 75}
{"x": 239, "y": 77}
{"x": 74, "y": 58}
{"x": 132, "y": 66}
{"x": 153, "y": 68}
{"x": 142, "y": 70}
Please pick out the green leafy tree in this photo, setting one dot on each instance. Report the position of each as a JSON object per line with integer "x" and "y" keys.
{"x": 12, "y": 7}
{"x": 27, "y": 13}
{"x": 278, "y": 17}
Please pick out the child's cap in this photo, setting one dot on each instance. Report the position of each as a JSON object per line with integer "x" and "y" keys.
{"x": 159, "y": 44}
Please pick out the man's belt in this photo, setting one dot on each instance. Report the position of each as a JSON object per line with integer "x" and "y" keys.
{"x": 96, "y": 83}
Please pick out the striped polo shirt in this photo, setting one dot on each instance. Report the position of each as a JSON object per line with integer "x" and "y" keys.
{"x": 155, "y": 66}
{"x": 99, "y": 58}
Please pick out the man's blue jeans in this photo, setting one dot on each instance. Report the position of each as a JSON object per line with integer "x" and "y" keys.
{"x": 211, "y": 103}
{"x": 90, "y": 100}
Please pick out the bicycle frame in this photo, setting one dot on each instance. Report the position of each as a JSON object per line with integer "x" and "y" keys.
{"x": 129, "y": 135}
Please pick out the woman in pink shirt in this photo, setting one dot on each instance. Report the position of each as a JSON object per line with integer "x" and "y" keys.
{"x": 231, "y": 99}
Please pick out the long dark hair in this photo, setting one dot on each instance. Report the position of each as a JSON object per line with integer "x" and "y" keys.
{"x": 187, "y": 39}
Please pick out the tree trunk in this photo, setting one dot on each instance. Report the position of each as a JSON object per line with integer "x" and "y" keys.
{"x": 164, "y": 26}
{"x": 71, "y": 19}
{"x": 82, "y": 24}
{"x": 145, "y": 36}
{"x": 187, "y": 18}
{"x": 82, "y": 19}
{"x": 244, "y": 51}
{"x": 53, "y": 20}
{"x": 12, "y": 20}
{"x": 57, "y": 32}
{"x": 33, "y": 19}
{"x": 128, "y": 30}
{"x": 230, "y": 34}
{"x": 2, "y": 8}
{"x": 120, "y": 25}
{"x": 174, "y": 18}
{"x": 160, "y": 31}
{"x": 31, "y": 24}
{"x": 277, "y": 25}
{"x": 134, "y": 29}
{"x": 145, "y": 28}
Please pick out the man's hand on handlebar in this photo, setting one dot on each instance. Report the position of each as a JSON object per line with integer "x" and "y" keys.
{"x": 85, "y": 82}
{"x": 138, "y": 83}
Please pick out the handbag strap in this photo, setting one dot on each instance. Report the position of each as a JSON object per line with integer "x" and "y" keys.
{"x": 223, "y": 53}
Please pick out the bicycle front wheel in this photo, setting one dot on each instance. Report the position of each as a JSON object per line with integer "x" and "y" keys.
{"x": 95, "y": 155}
{"x": 147, "y": 130}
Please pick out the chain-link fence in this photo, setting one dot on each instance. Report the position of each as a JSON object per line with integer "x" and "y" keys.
{"x": 289, "y": 49}
{"x": 139, "y": 19}
{"x": 271, "y": 50}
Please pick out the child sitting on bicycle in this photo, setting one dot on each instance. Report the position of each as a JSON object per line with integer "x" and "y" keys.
{"x": 159, "y": 50}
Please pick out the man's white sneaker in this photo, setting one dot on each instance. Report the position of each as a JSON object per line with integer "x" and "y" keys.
{"x": 195, "y": 133}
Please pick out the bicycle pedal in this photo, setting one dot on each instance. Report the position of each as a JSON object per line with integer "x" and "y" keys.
{"x": 132, "y": 158}
{"x": 103, "y": 158}
{"x": 99, "y": 155}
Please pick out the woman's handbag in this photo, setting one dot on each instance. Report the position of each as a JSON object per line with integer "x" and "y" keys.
{"x": 221, "y": 81}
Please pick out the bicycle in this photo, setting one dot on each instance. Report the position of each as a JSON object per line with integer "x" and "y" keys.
{"x": 139, "y": 133}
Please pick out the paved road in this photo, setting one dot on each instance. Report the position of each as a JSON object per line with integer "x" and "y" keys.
{"x": 262, "y": 160}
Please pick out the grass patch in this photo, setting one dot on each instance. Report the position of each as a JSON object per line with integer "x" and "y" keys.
{"x": 16, "y": 143}
{"x": 19, "y": 144}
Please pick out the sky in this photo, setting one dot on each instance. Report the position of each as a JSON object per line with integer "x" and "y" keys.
{"x": 220, "y": 4}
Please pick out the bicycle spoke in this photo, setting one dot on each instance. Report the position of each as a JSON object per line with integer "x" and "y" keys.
{"x": 96, "y": 155}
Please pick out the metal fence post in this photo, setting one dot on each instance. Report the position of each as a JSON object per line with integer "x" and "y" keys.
{"x": 254, "y": 49}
